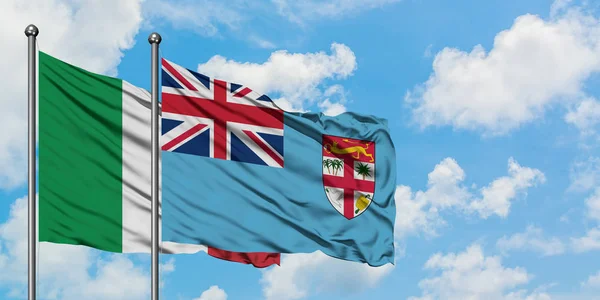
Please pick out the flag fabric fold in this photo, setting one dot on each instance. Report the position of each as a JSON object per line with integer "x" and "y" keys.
{"x": 239, "y": 173}
{"x": 94, "y": 165}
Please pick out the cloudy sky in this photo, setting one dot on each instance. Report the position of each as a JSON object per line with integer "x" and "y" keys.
{"x": 494, "y": 109}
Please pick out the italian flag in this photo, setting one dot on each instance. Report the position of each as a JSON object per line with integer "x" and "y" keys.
{"x": 94, "y": 165}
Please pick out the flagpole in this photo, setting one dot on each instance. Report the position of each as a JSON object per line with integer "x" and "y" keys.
{"x": 31, "y": 32}
{"x": 154, "y": 39}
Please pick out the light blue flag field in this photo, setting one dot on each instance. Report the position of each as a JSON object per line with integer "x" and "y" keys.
{"x": 239, "y": 173}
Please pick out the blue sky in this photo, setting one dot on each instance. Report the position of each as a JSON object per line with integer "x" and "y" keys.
{"x": 493, "y": 108}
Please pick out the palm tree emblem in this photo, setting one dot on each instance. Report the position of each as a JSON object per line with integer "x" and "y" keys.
{"x": 337, "y": 165}
{"x": 364, "y": 170}
{"x": 334, "y": 164}
{"x": 327, "y": 164}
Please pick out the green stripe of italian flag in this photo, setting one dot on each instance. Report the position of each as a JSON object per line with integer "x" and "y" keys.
{"x": 94, "y": 161}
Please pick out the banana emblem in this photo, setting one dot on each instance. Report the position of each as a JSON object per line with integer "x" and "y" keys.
{"x": 361, "y": 203}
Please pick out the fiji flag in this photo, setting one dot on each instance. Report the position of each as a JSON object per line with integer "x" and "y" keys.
{"x": 241, "y": 174}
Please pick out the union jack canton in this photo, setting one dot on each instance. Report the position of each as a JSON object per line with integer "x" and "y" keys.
{"x": 213, "y": 118}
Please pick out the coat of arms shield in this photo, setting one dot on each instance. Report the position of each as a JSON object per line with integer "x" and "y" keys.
{"x": 348, "y": 174}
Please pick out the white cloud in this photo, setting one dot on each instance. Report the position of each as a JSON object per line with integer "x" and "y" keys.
{"x": 68, "y": 30}
{"x": 524, "y": 295}
{"x": 427, "y": 53}
{"x": 532, "y": 240}
{"x": 302, "y": 11}
{"x": 592, "y": 282}
{"x": 419, "y": 211}
{"x": 497, "y": 196}
{"x": 414, "y": 214}
{"x": 585, "y": 175}
{"x": 296, "y": 77}
{"x": 331, "y": 109}
{"x": 209, "y": 18}
{"x": 592, "y": 204}
{"x": 165, "y": 269}
{"x": 285, "y": 104}
{"x": 201, "y": 16}
{"x": 559, "y": 6}
{"x": 472, "y": 275}
{"x": 261, "y": 42}
{"x": 533, "y": 65}
{"x": 213, "y": 293}
{"x": 589, "y": 242}
{"x": 334, "y": 103}
{"x": 108, "y": 282}
{"x": 302, "y": 274}
{"x": 80, "y": 282}
{"x": 586, "y": 116}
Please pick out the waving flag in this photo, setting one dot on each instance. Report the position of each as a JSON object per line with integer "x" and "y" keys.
{"x": 241, "y": 174}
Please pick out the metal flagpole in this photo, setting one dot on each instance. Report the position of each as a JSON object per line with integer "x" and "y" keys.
{"x": 154, "y": 40}
{"x": 31, "y": 32}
